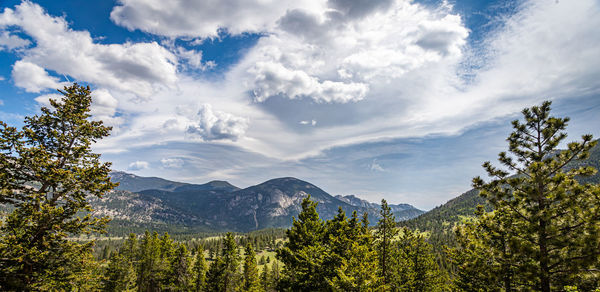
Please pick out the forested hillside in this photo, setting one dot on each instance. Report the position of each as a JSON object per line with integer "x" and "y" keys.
{"x": 439, "y": 221}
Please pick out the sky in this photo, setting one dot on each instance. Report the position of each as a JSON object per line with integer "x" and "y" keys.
{"x": 395, "y": 99}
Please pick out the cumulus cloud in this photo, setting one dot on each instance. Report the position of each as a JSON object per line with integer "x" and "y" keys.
{"x": 172, "y": 162}
{"x": 340, "y": 54}
{"x": 217, "y": 125}
{"x": 10, "y": 41}
{"x": 131, "y": 67}
{"x": 202, "y": 18}
{"x": 193, "y": 59}
{"x": 33, "y": 78}
{"x": 273, "y": 79}
{"x": 138, "y": 165}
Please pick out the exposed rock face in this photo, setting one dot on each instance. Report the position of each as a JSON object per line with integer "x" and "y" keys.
{"x": 221, "y": 205}
{"x": 401, "y": 211}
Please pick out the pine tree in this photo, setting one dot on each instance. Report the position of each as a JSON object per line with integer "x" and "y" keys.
{"x": 180, "y": 274}
{"x": 303, "y": 254}
{"x": 555, "y": 220}
{"x": 251, "y": 280}
{"x": 384, "y": 235}
{"x": 265, "y": 279}
{"x": 215, "y": 277}
{"x": 48, "y": 172}
{"x": 199, "y": 270}
{"x": 479, "y": 267}
{"x": 120, "y": 274}
{"x": 231, "y": 259}
{"x": 416, "y": 269}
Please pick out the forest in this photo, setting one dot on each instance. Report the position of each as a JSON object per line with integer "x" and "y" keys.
{"x": 536, "y": 226}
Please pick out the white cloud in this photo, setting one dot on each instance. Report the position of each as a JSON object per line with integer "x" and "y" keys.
{"x": 217, "y": 125}
{"x": 103, "y": 103}
{"x": 10, "y": 41}
{"x": 172, "y": 162}
{"x": 273, "y": 79}
{"x": 193, "y": 59}
{"x": 34, "y": 78}
{"x": 365, "y": 73}
{"x": 376, "y": 166}
{"x": 44, "y": 100}
{"x": 311, "y": 122}
{"x": 138, "y": 68}
{"x": 138, "y": 165}
{"x": 340, "y": 54}
{"x": 203, "y": 18}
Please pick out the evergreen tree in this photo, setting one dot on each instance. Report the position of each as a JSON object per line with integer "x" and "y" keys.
{"x": 251, "y": 280}
{"x": 265, "y": 279}
{"x": 180, "y": 274}
{"x": 555, "y": 220}
{"x": 479, "y": 267}
{"x": 303, "y": 254}
{"x": 415, "y": 266}
{"x": 215, "y": 277}
{"x": 384, "y": 235}
{"x": 262, "y": 260}
{"x": 120, "y": 274}
{"x": 48, "y": 172}
{"x": 199, "y": 270}
{"x": 231, "y": 260}
{"x": 275, "y": 276}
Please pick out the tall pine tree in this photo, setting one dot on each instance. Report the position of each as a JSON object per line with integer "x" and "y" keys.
{"x": 251, "y": 278}
{"x": 303, "y": 254}
{"x": 48, "y": 172}
{"x": 384, "y": 235}
{"x": 555, "y": 220}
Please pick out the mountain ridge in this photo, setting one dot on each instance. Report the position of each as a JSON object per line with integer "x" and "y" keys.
{"x": 220, "y": 206}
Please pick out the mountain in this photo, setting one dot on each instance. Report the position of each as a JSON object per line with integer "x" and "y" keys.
{"x": 220, "y": 206}
{"x": 401, "y": 211}
{"x": 133, "y": 183}
{"x": 440, "y": 219}
{"x": 269, "y": 204}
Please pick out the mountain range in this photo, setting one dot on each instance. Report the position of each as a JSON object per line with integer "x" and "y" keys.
{"x": 144, "y": 202}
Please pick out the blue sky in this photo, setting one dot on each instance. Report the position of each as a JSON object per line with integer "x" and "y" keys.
{"x": 384, "y": 98}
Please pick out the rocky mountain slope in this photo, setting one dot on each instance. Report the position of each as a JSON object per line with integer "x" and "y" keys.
{"x": 221, "y": 206}
{"x": 401, "y": 211}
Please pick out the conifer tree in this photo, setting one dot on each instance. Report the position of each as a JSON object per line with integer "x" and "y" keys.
{"x": 231, "y": 260}
{"x": 120, "y": 274}
{"x": 416, "y": 269}
{"x": 180, "y": 274}
{"x": 275, "y": 276}
{"x": 384, "y": 235}
{"x": 555, "y": 220}
{"x": 303, "y": 254}
{"x": 215, "y": 277}
{"x": 149, "y": 262}
{"x": 48, "y": 172}
{"x": 251, "y": 278}
{"x": 199, "y": 270}
{"x": 479, "y": 267}
{"x": 265, "y": 279}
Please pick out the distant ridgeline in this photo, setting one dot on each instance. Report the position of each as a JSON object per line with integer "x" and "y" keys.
{"x": 439, "y": 221}
{"x": 141, "y": 203}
